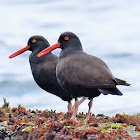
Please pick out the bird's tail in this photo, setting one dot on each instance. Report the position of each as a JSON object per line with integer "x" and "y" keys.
{"x": 121, "y": 82}
{"x": 114, "y": 91}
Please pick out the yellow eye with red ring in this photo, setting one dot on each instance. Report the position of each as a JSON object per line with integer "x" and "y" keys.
{"x": 66, "y": 38}
{"x": 33, "y": 40}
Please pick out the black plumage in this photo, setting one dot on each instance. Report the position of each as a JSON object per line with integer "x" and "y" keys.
{"x": 81, "y": 74}
{"x": 44, "y": 68}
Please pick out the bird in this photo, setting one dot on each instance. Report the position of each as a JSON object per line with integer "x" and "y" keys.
{"x": 44, "y": 68}
{"x": 81, "y": 74}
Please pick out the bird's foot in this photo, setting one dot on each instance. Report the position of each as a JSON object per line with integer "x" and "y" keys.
{"x": 87, "y": 119}
{"x": 70, "y": 112}
{"x": 73, "y": 119}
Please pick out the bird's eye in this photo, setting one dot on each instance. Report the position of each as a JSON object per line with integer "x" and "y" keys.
{"x": 33, "y": 41}
{"x": 66, "y": 38}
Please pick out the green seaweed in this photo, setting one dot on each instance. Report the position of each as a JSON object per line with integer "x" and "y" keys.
{"x": 23, "y": 123}
{"x": 5, "y": 123}
{"x": 82, "y": 122}
{"x": 69, "y": 127}
{"x": 112, "y": 125}
{"x": 27, "y": 129}
{"x": 30, "y": 123}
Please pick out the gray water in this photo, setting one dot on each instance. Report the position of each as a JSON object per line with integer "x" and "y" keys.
{"x": 107, "y": 29}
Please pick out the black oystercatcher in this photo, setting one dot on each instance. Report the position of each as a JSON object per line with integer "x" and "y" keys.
{"x": 81, "y": 74}
{"x": 44, "y": 68}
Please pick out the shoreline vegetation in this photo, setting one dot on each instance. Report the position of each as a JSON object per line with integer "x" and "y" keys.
{"x": 17, "y": 123}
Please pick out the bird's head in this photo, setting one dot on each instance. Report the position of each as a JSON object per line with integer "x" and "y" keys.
{"x": 35, "y": 43}
{"x": 67, "y": 40}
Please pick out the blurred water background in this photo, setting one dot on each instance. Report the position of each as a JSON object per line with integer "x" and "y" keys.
{"x": 107, "y": 29}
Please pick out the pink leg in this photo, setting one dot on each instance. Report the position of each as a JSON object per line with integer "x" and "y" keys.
{"x": 89, "y": 110}
{"x": 70, "y": 107}
{"x": 81, "y": 101}
{"x": 75, "y": 110}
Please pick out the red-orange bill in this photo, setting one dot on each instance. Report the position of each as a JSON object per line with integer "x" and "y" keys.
{"x": 49, "y": 49}
{"x": 19, "y": 51}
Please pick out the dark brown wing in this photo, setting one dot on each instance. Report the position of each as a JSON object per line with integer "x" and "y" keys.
{"x": 86, "y": 70}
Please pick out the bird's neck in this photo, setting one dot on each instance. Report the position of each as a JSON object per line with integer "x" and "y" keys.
{"x": 35, "y": 59}
{"x": 70, "y": 50}
{"x": 38, "y": 49}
